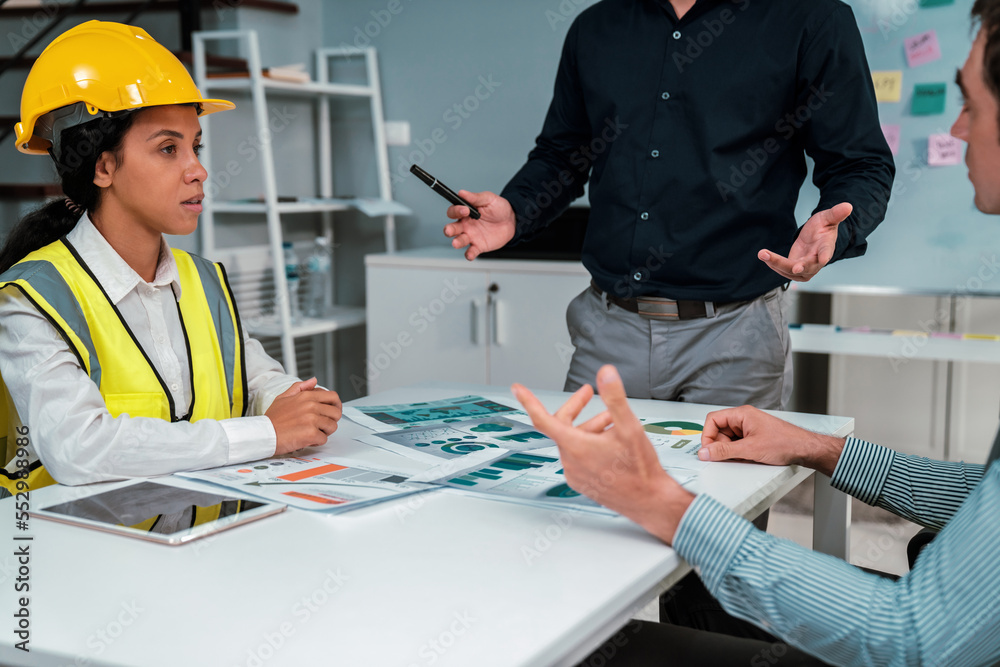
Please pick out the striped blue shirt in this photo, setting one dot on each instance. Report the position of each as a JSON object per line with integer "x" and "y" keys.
{"x": 946, "y": 611}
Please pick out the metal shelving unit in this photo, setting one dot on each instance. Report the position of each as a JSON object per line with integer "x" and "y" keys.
{"x": 279, "y": 322}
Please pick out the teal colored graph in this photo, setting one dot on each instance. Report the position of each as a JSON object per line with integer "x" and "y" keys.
{"x": 561, "y": 491}
{"x": 522, "y": 437}
{"x": 522, "y": 461}
{"x": 466, "y": 448}
{"x": 491, "y": 428}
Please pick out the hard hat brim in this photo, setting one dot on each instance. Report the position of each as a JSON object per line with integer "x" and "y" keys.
{"x": 39, "y": 146}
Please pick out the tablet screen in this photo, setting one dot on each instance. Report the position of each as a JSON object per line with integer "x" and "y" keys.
{"x": 156, "y": 509}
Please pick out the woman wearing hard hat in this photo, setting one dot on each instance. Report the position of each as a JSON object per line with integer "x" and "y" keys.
{"x": 121, "y": 356}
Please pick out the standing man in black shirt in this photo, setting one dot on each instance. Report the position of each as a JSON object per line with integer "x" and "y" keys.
{"x": 692, "y": 120}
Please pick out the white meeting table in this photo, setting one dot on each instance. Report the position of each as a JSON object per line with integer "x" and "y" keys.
{"x": 441, "y": 578}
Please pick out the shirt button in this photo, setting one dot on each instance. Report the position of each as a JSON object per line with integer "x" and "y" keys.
{"x": 637, "y": 276}
{"x": 655, "y": 153}
{"x": 644, "y": 215}
{"x": 665, "y": 95}
{"x": 677, "y": 34}
{"x": 161, "y": 339}
{"x": 174, "y": 386}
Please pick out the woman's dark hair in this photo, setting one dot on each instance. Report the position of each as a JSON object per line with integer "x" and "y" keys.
{"x": 81, "y": 146}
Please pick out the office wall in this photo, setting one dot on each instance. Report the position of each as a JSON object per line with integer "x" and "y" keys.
{"x": 434, "y": 56}
{"x": 933, "y": 239}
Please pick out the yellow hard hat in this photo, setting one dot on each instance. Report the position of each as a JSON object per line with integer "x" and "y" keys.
{"x": 103, "y": 66}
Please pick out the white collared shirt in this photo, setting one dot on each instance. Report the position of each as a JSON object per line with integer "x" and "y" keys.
{"x": 69, "y": 425}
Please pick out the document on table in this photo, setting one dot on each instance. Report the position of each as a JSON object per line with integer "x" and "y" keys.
{"x": 482, "y": 437}
{"x": 312, "y": 483}
{"x": 677, "y": 451}
{"x": 410, "y": 415}
{"x": 529, "y": 478}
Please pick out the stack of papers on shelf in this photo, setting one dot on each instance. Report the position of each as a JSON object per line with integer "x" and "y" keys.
{"x": 296, "y": 73}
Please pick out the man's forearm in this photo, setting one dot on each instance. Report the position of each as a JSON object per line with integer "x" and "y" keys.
{"x": 821, "y": 453}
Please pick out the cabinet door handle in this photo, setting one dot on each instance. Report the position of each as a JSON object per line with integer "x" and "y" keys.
{"x": 491, "y": 304}
{"x": 494, "y": 320}
{"x": 474, "y": 305}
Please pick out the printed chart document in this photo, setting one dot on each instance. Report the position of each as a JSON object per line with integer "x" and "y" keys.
{"x": 409, "y": 415}
{"x": 530, "y": 478}
{"x": 481, "y": 437}
{"x": 526, "y": 478}
{"x": 311, "y": 483}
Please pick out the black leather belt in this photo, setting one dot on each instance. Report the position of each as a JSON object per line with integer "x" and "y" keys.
{"x": 658, "y": 308}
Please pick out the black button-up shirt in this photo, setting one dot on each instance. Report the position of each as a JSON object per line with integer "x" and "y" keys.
{"x": 693, "y": 134}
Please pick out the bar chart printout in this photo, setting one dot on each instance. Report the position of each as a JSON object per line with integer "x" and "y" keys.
{"x": 311, "y": 483}
{"x": 410, "y": 415}
{"x": 524, "y": 477}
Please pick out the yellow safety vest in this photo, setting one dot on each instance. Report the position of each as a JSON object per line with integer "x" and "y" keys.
{"x": 63, "y": 288}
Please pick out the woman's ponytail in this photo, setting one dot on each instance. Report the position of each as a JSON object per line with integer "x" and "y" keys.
{"x": 37, "y": 229}
{"x": 81, "y": 146}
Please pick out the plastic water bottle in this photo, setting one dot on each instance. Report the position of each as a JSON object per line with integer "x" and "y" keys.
{"x": 292, "y": 278}
{"x": 319, "y": 266}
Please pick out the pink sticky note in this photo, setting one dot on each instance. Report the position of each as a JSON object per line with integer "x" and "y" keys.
{"x": 922, "y": 49}
{"x": 944, "y": 150}
{"x": 891, "y": 133}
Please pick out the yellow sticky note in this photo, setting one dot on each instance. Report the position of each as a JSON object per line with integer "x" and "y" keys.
{"x": 888, "y": 85}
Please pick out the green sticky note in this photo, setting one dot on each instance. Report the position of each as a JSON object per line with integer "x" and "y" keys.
{"x": 936, "y": 3}
{"x": 928, "y": 99}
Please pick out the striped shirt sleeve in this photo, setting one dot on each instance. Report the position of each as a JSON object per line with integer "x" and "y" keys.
{"x": 918, "y": 489}
{"x": 945, "y": 612}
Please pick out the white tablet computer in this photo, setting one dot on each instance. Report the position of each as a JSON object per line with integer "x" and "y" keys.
{"x": 158, "y": 512}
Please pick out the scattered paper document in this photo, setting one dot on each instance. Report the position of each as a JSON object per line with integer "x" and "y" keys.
{"x": 461, "y": 438}
{"x": 410, "y": 415}
{"x": 311, "y": 483}
{"x": 526, "y": 478}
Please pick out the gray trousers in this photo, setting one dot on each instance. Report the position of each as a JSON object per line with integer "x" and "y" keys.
{"x": 740, "y": 356}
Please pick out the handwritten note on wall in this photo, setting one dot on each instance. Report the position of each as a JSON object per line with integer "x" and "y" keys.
{"x": 928, "y": 99}
{"x": 888, "y": 85}
{"x": 892, "y": 133}
{"x": 944, "y": 150}
{"x": 922, "y": 49}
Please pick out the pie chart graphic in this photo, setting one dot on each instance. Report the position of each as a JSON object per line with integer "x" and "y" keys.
{"x": 674, "y": 428}
{"x": 465, "y": 448}
{"x": 561, "y": 491}
{"x": 489, "y": 427}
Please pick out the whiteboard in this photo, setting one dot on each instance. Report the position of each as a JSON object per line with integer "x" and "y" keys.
{"x": 933, "y": 240}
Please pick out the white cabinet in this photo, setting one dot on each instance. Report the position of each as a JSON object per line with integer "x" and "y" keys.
{"x": 432, "y": 315}
{"x": 932, "y": 396}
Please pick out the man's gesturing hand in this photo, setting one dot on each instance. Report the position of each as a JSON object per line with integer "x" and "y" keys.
{"x": 813, "y": 249}
{"x": 492, "y": 231}
{"x": 609, "y": 458}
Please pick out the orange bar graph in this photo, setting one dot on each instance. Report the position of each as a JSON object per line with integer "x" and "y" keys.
{"x": 311, "y": 472}
{"x": 315, "y": 499}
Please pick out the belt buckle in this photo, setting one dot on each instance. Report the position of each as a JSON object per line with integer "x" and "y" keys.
{"x": 657, "y": 308}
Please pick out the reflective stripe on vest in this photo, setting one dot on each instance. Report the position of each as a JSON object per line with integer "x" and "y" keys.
{"x": 63, "y": 288}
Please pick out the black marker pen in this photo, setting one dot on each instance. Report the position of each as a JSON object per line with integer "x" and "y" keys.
{"x": 443, "y": 190}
